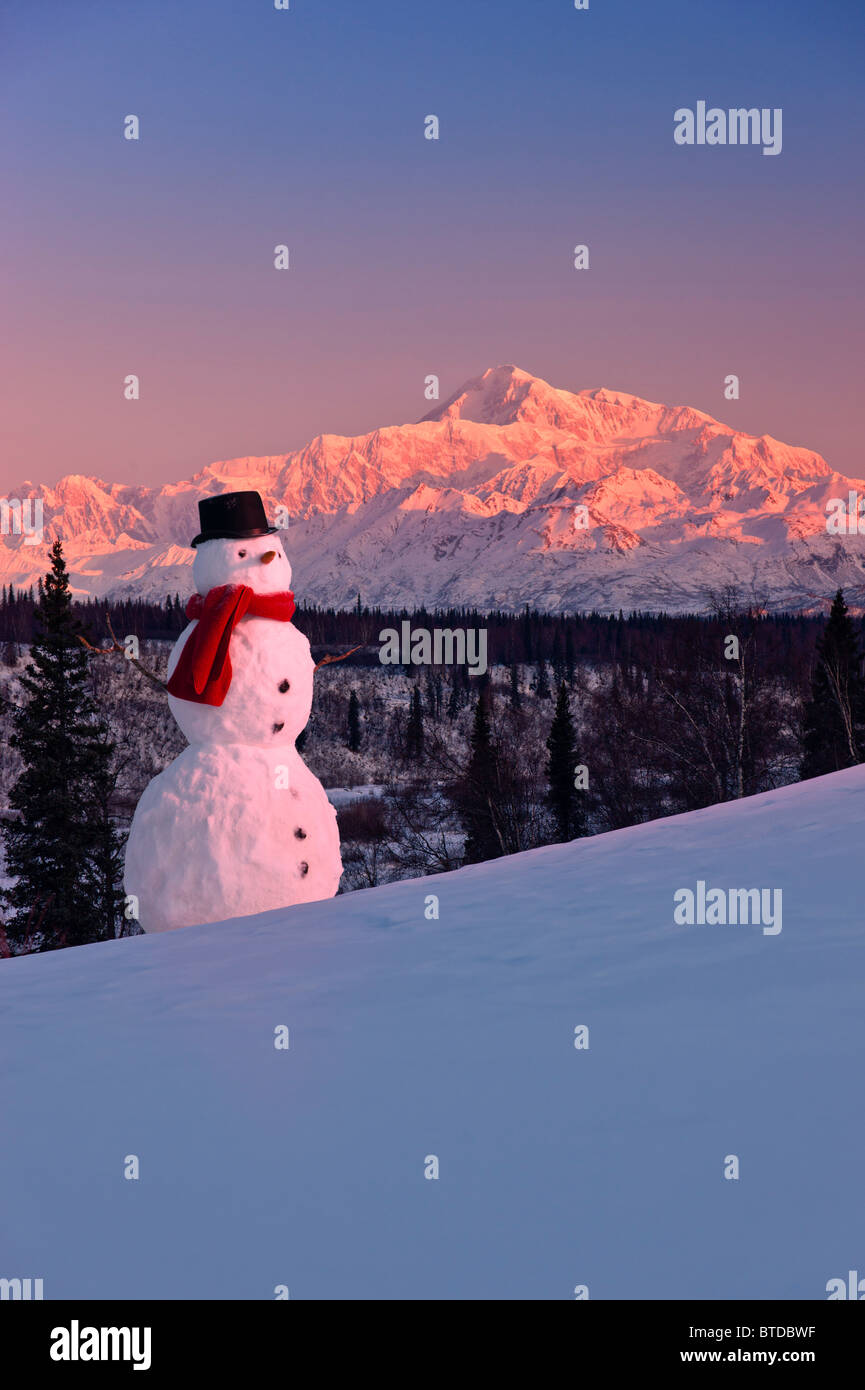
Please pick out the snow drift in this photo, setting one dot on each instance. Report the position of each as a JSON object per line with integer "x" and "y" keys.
{"x": 455, "y": 1037}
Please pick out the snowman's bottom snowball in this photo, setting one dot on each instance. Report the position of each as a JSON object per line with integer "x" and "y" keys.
{"x": 229, "y": 832}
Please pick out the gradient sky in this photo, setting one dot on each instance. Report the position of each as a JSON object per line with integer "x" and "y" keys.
{"x": 411, "y": 256}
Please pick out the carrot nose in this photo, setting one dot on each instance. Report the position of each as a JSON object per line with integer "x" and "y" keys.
{"x": 268, "y": 556}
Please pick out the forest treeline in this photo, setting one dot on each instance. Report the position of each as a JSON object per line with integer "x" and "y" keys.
{"x": 640, "y": 640}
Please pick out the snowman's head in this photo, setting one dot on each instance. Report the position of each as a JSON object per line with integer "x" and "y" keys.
{"x": 260, "y": 563}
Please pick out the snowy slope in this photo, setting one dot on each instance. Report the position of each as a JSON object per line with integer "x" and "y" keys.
{"x": 475, "y": 505}
{"x": 455, "y": 1038}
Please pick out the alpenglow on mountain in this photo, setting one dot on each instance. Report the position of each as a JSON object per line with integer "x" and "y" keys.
{"x": 509, "y": 493}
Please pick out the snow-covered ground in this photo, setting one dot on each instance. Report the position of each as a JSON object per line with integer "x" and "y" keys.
{"x": 344, "y": 796}
{"x": 455, "y": 1038}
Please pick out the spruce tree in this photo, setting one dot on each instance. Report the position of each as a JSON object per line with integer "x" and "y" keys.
{"x": 557, "y": 660}
{"x": 477, "y": 795}
{"x": 515, "y": 697}
{"x": 562, "y": 797}
{"x": 453, "y": 700}
{"x": 104, "y": 864}
{"x": 834, "y": 723}
{"x": 414, "y": 729}
{"x": 542, "y": 685}
{"x": 353, "y": 722}
{"x": 62, "y": 849}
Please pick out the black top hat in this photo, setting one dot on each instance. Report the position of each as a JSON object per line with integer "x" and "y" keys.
{"x": 232, "y": 516}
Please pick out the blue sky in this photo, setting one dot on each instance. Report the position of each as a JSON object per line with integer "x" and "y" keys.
{"x": 412, "y": 256}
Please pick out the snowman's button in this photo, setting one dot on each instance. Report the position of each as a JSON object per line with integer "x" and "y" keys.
{"x": 304, "y": 867}
{"x": 300, "y": 834}
{"x": 278, "y": 727}
{"x": 284, "y": 686}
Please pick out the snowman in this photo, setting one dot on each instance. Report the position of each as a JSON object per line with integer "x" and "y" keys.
{"x": 237, "y": 824}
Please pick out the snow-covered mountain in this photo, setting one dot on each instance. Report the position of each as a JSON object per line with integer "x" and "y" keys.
{"x": 409, "y": 1037}
{"x": 510, "y": 492}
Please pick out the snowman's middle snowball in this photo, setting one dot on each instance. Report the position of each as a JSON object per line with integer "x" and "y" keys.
{"x": 261, "y": 695}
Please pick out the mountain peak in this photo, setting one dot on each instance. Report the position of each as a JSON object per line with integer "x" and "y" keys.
{"x": 508, "y": 395}
{"x": 505, "y": 395}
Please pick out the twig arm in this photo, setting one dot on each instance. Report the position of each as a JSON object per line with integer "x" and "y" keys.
{"x": 117, "y": 649}
{"x": 326, "y": 660}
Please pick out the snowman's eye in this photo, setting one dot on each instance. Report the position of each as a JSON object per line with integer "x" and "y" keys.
{"x": 242, "y": 554}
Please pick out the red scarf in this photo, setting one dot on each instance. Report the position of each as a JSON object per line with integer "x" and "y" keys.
{"x": 203, "y": 673}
